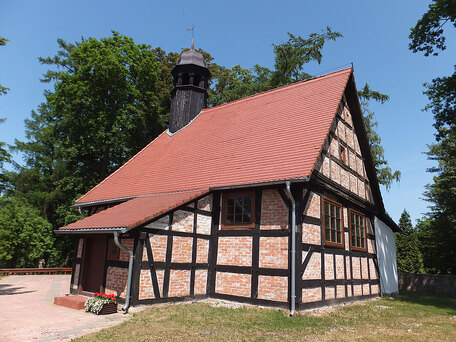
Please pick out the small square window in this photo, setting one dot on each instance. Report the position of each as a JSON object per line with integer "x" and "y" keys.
{"x": 343, "y": 154}
{"x": 113, "y": 250}
{"x": 238, "y": 210}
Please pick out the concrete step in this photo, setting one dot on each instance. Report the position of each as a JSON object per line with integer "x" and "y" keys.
{"x": 72, "y": 302}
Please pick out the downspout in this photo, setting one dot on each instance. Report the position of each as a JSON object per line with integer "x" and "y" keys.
{"x": 293, "y": 248}
{"x": 130, "y": 270}
{"x": 80, "y": 212}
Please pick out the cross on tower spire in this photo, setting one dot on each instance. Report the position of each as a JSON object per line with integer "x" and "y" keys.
{"x": 192, "y": 47}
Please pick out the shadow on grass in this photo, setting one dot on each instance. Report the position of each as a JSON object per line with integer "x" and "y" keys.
{"x": 436, "y": 300}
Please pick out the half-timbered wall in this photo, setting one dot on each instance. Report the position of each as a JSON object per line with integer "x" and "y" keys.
{"x": 331, "y": 273}
{"x": 171, "y": 254}
{"x": 341, "y": 160}
{"x": 253, "y": 263}
{"x": 116, "y": 272}
{"x": 187, "y": 253}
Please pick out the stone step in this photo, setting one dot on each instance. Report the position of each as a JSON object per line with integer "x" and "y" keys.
{"x": 72, "y": 302}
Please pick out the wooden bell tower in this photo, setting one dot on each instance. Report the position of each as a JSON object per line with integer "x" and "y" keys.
{"x": 189, "y": 95}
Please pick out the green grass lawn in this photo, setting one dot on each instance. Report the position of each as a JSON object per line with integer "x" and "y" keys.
{"x": 408, "y": 317}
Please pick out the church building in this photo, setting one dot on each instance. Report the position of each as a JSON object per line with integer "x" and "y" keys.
{"x": 271, "y": 200}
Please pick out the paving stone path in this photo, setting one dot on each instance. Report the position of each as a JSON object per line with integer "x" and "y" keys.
{"x": 27, "y": 311}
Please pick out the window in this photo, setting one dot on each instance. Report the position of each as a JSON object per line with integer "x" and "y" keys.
{"x": 238, "y": 210}
{"x": 332, "y": 213}
{"x": 343, "y": 154}
{"x": 358, "y": 230}
{"x": 113, "y": 250}
{"x": 196, "y": 80}
{"x": 185, "y": 79}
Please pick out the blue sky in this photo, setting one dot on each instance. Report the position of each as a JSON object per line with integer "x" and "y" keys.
{"x": 242, "y": 32}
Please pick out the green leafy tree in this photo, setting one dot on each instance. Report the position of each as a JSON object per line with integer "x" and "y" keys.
{"x": 438, "y": 232}
{"x": 409, "y": 258}
{"x": 292, "y": 55}
{"x": 106, "y": 101}
{"x": 104, "y": 107}
{"x": 427, "y": 35}
{"x": 236, "y": 83}
{"x": 25, "y": 236}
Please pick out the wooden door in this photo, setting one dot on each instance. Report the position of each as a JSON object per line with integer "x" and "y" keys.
{"x": 94, "y": 261}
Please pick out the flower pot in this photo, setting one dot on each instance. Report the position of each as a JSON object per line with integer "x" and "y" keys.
{"x": 108, "y": 308}
{"x": 101, "y": 304}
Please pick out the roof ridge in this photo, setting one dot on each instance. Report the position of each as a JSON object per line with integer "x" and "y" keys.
{"x": 123, "y": 165}
{"x": 262, "y": 93}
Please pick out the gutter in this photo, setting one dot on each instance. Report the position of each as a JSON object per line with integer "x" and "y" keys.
{"x": 251, "y": 185}
{"x": 108, "y": 201}
{"x": 293, "y": 248}
{"x": 122, "y": 230}
{"x": 130, "y": 270}
{"x": 80, "y": 212}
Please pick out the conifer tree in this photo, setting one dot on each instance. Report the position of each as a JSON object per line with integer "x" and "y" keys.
{"x": 438, "y": 229}
{"x": 409, "y": 258}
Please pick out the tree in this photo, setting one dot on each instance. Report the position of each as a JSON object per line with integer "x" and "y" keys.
{"x": 427, "y": 35}
{"x": 104, "y": 107}
{"x": 25, "y": 237}
{"x": 106, "y": 95}
{"x": 409, "y": 258}
{"x": 236, "y": 83}
{"x": 291, "y": 56}
{"x": 438, "y": 232}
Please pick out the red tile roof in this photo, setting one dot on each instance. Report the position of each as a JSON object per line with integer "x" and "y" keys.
{"x": 272, "y": 136}
{"x": 136, "y": 211}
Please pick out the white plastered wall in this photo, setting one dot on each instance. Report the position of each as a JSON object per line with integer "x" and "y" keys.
{"x": 386, "y": 256}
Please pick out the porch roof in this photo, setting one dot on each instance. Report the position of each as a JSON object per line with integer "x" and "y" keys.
{"x": 134, "y": 212}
